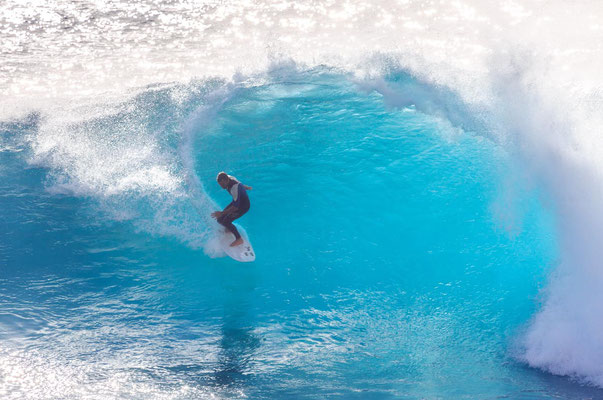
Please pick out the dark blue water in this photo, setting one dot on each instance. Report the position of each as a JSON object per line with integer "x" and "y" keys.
{"x": 393, "y": 258}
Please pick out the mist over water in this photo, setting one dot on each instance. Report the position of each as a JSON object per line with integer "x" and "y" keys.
{"x": 117, "y": 116}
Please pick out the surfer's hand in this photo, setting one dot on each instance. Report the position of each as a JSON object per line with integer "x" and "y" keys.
{"x": 248, "y": 187}
{"x": 216, "y": 214}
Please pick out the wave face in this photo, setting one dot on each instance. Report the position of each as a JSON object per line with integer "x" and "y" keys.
{"x": 425, "y": 205}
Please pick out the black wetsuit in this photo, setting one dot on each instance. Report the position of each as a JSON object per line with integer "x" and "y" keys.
{"x": 236, "y": 208}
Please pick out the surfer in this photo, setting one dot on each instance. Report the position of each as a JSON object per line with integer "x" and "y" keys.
{"x": 237, "y": 207}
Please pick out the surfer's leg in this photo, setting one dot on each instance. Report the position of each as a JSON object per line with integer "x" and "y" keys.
{"x": 230, "y": 226}
{"x": 238, "y": 238}
{"x": 234, "y": 231}
{"x": 226, "y": 222}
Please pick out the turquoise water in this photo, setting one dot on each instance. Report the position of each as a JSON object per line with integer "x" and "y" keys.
{"x": 395, "y": 257}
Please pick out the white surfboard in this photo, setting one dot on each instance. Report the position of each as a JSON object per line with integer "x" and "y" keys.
{"x": 243, "y": 252}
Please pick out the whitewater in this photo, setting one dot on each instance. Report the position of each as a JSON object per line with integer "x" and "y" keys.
{"x": 426, "y": 209}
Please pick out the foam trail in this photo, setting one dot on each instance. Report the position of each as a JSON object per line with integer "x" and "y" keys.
{"x": 202, "y": 203}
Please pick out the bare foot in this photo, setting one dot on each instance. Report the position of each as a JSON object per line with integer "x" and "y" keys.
{"x": 237, "y": 242}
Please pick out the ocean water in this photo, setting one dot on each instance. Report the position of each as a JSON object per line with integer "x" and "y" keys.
{"x": 425, "y": 207}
